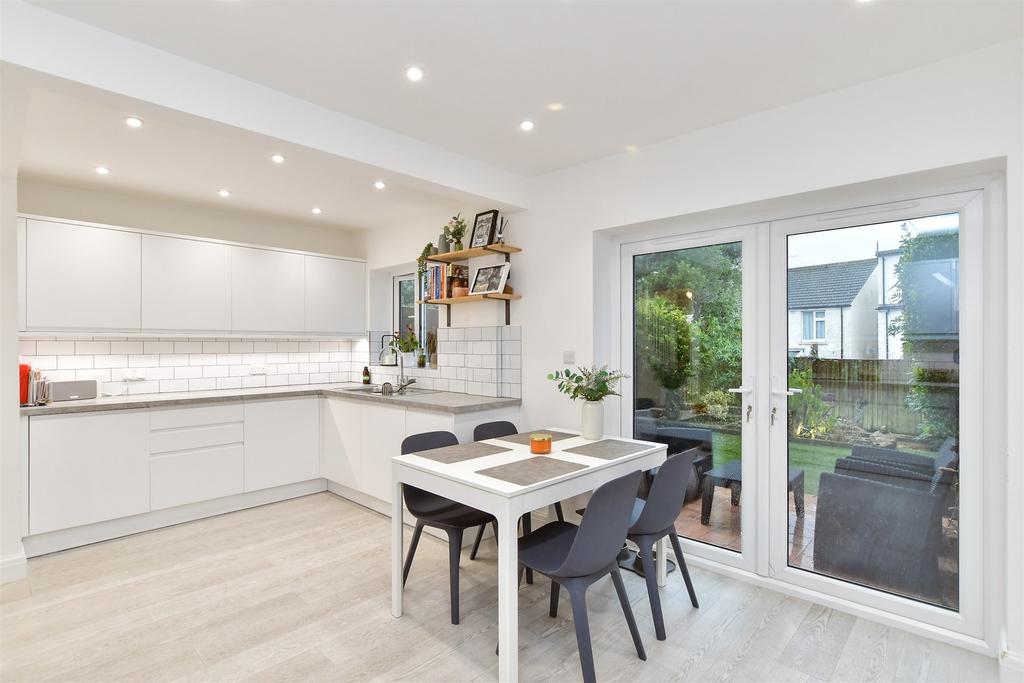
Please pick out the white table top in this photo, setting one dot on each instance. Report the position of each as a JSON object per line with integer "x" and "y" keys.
{"x": 466, "y": 472}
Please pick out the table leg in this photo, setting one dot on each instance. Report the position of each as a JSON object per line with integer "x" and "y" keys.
{"x": 661, "y": 562}
{"x": 397, "y": 547}
{"x": 508, "y": 596}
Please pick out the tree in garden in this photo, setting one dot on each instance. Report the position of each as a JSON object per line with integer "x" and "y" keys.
{"x": 926, "y": 279}
{"x": 663, "y": 341}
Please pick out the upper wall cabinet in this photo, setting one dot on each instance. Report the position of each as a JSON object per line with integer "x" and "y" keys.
{"x": 267, "y": 290}
{"x": 81, "y": 278}
{"x": 335, "y": 295}
{"x": 186, "y": 285}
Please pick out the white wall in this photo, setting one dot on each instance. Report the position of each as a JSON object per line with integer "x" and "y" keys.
{"x": 144, "y": 212}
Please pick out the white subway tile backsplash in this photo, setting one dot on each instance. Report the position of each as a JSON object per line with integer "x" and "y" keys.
{"x": 202, "y": 384}
{"x": 240, "y": 347}
{"x": 55, "y": 348}
{"x": 277, "y": 357}
{"x": 42, "y": 362}
{"x": 287, "y": 346}
{"x": 173, "y": 360}
{"x": 188, "y": 347}
{"x": 254, "y": 382}
{"x": 26, "y": 348}
{"x": 158, "y": 347}
{"x": 216, "y": 346}
{"x": 298, "y": 379}
{"x": 309, "y": 346}
{"x": 202, "y": 359}
{"x": 188, "y": 372}
{"x": 229, "y": 359}
{"x": 91, "y": 347}
{"x": 111, "y": 361}
{"x": 215, "y": 371}
{"x": 143, "y": 361}
{"x": 229, "y": 382}
{"x": 173, "y": 385}
{"x": 74, "y": 362}
{"x": 127, "y": 347}
{"x": 146, "y": 387}
{"x": 264, "y": 346}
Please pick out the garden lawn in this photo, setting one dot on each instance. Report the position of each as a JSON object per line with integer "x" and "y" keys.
{"x": 813, "y": 459}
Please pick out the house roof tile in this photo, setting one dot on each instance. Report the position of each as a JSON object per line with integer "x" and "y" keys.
{"x": 828, "y": 285}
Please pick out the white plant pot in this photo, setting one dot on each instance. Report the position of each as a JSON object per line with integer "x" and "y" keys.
{"x": 409, "y": 359}
{"x": 593, "y": 420}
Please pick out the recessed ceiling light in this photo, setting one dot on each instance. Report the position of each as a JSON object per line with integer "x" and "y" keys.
{"x": 631, "y": 148}
{"x": 526, "y": 125}
{"x": 414, "y": 74}
{"x": 556, "y": 106}
{"x": 316, "y": 210}
{"x": 103, "y": 170}
{"x": 224, "y": 193}
{"x": 133, "y": 122}
{"x": 277, "y": 158}
{"x": 380, "y": 184}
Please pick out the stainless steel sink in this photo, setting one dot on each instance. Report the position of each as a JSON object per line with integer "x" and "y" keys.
{"x": 375, "y": 389}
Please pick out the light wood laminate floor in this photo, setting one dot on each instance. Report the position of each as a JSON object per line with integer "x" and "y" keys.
{"x": 299, "y": 591}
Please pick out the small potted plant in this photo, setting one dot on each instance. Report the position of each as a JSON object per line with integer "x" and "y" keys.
{"x": 455, "y": 231}
{"x": 432, "y": 349}
{"x": 421, "y": 261}
{"x": 407, "y": 345}
{"x": 592, "y": 385}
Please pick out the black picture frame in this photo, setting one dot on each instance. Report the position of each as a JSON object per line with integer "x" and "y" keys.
{"x": 483, "y": 229}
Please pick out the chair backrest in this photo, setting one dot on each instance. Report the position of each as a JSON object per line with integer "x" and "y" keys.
{"x": 667, "y": 495}
{"x": 494, "y": 430}
{"x": 418, "y": 501}
{"x": 603, "y": 528}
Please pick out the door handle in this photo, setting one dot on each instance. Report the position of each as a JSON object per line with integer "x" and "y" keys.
{"x": 789, "y": 391}
{"x": 772, "y": 416}
{"x": 738, "y": 390}
{"x": 750, "y": 409}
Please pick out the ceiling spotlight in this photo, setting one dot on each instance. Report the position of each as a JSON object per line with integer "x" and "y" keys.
{"x": 414, "y": 74}
{"x": 526, "y": 125}
{"x": 556, "y": 106}
{"x": 380, "y": 184}
{"x": 631, "y": 148}
{"x": 316, "y": 210}
{"x": 103, "y": 170}
{"x": 277, "y": 158}
{"x": 133, "y": 122}
{"x": 224, "y": 193}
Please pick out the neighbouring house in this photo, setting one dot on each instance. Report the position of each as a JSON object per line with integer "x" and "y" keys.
{"x": 890, "y": 305}
{"x": 832, "y": 310}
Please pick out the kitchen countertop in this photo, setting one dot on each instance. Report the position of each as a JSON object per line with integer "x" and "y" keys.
{"x": 435, "y": 401}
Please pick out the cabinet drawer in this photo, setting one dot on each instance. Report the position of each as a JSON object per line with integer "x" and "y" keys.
{"x": 171, "y": 418}
{"x": 185, "y": 438}
{"x": 191, "y": 476}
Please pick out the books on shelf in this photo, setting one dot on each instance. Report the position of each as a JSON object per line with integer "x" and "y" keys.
{"x": 437, "y": 281}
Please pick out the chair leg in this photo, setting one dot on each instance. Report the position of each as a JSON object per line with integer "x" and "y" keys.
{"x": 454, "y": 555}
{"x": 651, "y": 576}
{"x": 558, "y": 512}
{"x": 628, "y": 612}
{"x": 553, "y": 610}
{"x": 412, "y": 551}
{"x": 527, "y": 528}
{"x": 578, "y": 598}
{"x": 476, "y": 541}
{"x": 682, "y": 568}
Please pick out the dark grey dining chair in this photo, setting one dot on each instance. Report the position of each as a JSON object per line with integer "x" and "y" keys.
{"x": 655, "y": 518}
{"x": 575, "y": 557}
{"x": 496, "y": 430}
{"x": 439, "y": 512}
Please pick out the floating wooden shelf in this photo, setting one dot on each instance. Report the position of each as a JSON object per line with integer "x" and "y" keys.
{"x": 466, "y": 254}
{"x": 470, "y": 299}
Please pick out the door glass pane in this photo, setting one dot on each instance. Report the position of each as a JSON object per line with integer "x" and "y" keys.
{"x": 688, "y": 352}
{"x": 873, "y": 445}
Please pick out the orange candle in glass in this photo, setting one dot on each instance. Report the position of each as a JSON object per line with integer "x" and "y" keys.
{"x": 540, "y": 444}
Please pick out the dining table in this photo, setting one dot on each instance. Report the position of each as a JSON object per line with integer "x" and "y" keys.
{"x": 502, "y": 477}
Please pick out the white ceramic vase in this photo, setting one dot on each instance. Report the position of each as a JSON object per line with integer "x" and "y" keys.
{"x": 409, "y": 359}
{"x": 593, "y": 419}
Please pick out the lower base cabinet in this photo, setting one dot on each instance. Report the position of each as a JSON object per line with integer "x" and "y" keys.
{"x": 87, "y": 468}
{"x": 195, "y": 475}
{"x": 282, "y": 441}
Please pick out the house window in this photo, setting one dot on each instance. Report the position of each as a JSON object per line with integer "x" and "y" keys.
{"x": 814, "y": 325}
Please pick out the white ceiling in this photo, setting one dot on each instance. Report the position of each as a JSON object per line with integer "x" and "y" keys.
{"x": 72, "y": 129}
{"x": 628, "y": 73}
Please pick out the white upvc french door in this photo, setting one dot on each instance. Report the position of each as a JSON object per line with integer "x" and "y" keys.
{"x": 801, "y": 409}
{"x": 722, "y": 265}
{"x": 951, "y": 297}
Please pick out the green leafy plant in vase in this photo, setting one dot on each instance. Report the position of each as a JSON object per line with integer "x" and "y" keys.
{"x": 455, "y": 231}
{"x": 593, "y": 385}
{"x": 407, "y": 344}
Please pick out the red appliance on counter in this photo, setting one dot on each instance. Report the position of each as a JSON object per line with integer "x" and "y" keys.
{"x": 24, "y": 372}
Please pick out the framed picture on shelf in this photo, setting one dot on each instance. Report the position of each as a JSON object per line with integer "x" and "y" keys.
{"x": 490, "y": 279}
{"x": 483, "y": 229}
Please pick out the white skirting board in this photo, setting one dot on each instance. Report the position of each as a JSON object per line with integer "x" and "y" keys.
{"x": 383, "y": 508}
{"x": 51, "y": 542}
{"x": 13, "y": 568}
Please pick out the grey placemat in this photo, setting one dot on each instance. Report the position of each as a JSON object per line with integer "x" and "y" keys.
{"x": 531, "y": 470}
{"x": 524, "y": 437}
{"x": 464, "y": 451}
{"x": 608, "y": 449}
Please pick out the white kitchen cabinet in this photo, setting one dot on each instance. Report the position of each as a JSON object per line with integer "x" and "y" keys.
{"x": 341, "y": 441}
{"x": 186, "y": 284}
{"x": 267, "y": 290}
{"x": 282, "y": 441}
{"x": 383, "y": 431}
{"x": 87, "y": 468}
{"x": 335, "y": 295}
{"x": 82, "y": 278}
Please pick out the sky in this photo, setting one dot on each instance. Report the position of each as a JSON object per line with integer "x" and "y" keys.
{"x": 861, "y": 242}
